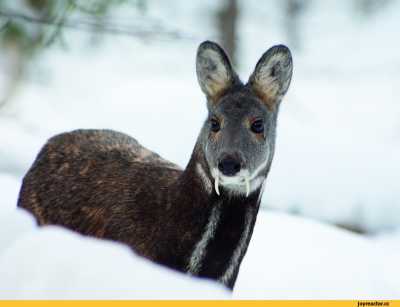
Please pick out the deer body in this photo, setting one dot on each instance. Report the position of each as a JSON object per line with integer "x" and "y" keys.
{"x": 198, "y": 220}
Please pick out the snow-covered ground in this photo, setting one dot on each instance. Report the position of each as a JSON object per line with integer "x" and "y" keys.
{"x": 337, "y": 156}
{"x": 289, "y": 257}
{"x": 295, "y": 258}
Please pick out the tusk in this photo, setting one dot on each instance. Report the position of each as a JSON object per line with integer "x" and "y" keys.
{"x": 247, "y": 179}
{"x": 216, "y": 185}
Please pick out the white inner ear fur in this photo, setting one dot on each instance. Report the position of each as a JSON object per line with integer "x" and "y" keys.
{"x": 212, "y": 73}
{"x": 272, "y": 86}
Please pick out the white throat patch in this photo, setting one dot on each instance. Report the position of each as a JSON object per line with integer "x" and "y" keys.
{"x": 199, "y": 252}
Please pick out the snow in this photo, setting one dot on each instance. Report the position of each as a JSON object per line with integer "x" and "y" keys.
{"x": 315, "y": 261}
{"x": 288, "y": 257}
{"x": 65, "y": 265}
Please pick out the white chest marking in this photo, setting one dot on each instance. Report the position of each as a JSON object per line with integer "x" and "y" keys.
{"x": 239, "y": 251}
{"x": 199, "y": 251}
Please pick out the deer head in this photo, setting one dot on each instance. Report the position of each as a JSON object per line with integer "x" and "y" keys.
{"x": 238, "y": 137}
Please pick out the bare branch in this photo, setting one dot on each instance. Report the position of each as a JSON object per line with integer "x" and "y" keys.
{"x": 93, "y": 25}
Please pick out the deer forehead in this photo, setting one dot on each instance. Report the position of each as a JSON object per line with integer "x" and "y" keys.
{"x": 239, "y": 106}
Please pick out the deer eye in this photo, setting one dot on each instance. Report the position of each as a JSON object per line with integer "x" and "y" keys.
{"x": 257, "y": 126}
{"x": 215, "y": 126}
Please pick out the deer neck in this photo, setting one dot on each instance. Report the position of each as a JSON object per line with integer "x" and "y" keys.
{"x": 222, "y": 224}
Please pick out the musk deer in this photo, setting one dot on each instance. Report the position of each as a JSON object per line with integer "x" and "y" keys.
{"x": 198, "y": 220}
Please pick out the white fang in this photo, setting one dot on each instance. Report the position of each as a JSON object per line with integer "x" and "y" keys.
{"x": 247, "y": 180}
{"x": 216, "y": 183}
{"x": 199, "y": 251}
{"x": 239, "y": 251}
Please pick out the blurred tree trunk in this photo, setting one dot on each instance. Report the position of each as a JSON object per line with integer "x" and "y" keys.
{"x": 14, "y": 70}
{"x": 293, "y": 11}
{"x": 227, "y": 18}
{"x": 369, "y": 7}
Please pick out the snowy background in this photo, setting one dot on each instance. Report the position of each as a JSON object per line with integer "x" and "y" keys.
{"x": 337, "y": 160}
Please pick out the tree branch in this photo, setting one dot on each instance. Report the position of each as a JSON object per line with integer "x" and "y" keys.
{"x": 94, "y": 25}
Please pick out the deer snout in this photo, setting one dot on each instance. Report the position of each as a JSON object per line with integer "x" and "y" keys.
{"x": 229, "y": 165}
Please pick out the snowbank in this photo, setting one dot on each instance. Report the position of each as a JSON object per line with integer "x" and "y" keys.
{"x": 295, "y": 258}
{"x": 53, "y": 263}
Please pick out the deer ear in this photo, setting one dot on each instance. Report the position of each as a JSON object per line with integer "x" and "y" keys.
{"x": 271, "y": 77}
{"x": 214, "y": 70}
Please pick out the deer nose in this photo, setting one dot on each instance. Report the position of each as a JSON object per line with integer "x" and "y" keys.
{"x": 229, "y": 166}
